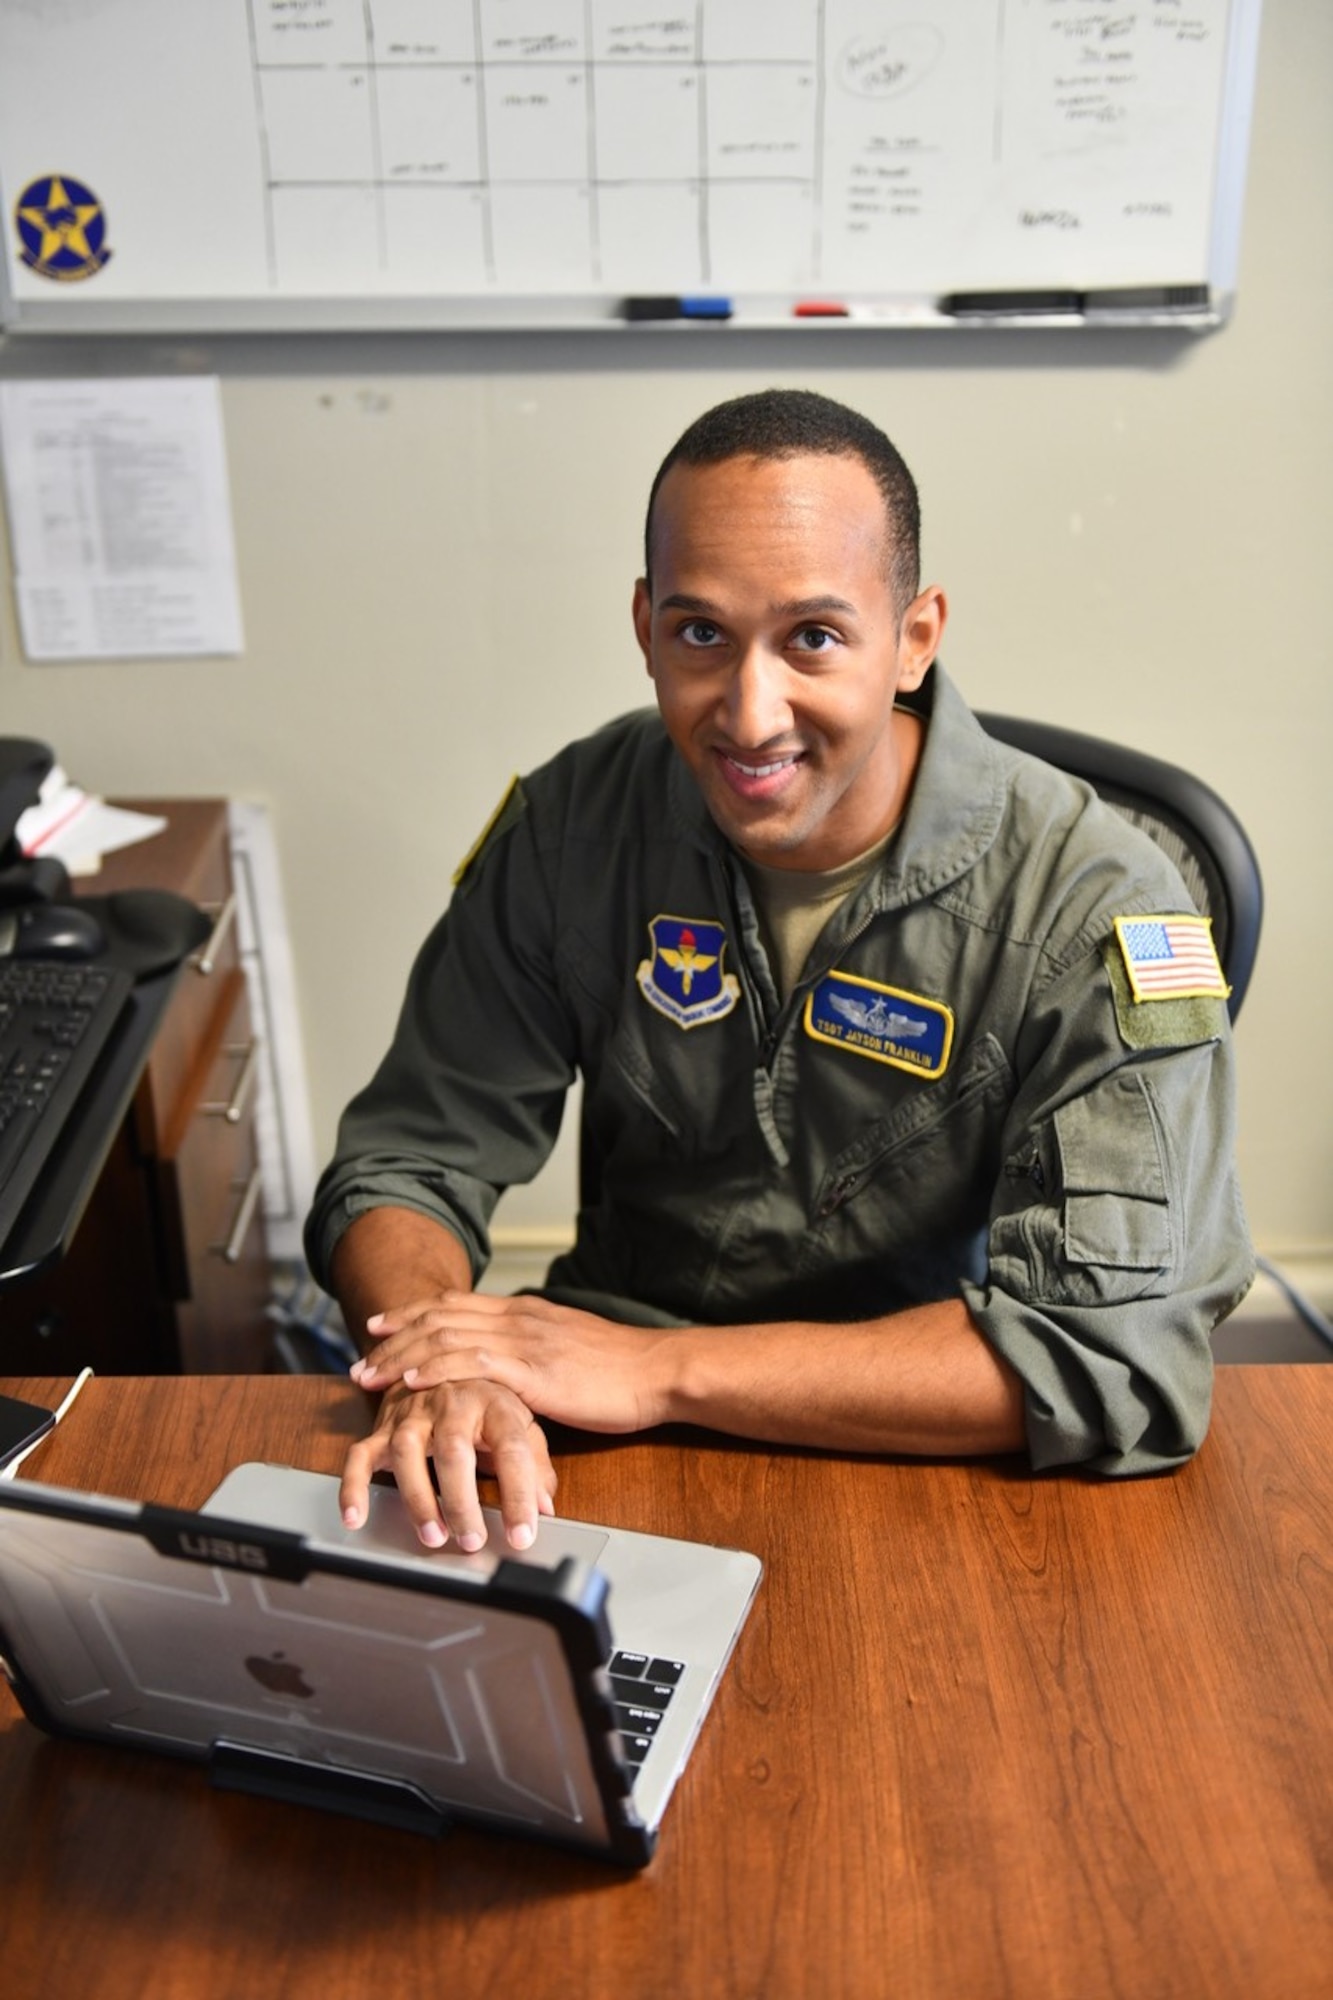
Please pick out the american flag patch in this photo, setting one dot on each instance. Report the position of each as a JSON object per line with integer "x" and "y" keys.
{"x": 1170, "y": 958}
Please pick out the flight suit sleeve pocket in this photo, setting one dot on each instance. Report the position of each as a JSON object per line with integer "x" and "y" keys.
{"x": 1117, "y": 1207}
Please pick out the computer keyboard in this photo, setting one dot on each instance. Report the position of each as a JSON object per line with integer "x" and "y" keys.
{"x": 643, "y": 1688}
{"x": 55, "y": 1017}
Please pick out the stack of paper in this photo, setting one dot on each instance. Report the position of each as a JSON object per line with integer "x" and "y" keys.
{"x": 78, "y": 829}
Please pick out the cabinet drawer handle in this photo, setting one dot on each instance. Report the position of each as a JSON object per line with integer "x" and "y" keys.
{"x": 230, "y": 1251}
{"x": 233, "y": 1108}
{"x": 204, "y": 961}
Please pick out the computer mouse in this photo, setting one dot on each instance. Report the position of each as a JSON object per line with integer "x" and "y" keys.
{"x": 50, "y": 930}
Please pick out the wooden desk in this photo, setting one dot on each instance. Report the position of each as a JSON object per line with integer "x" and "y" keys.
{"x": 984, "y": 1735}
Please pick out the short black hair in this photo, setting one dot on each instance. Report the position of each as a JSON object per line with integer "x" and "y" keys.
{"x": 784, "y": 423}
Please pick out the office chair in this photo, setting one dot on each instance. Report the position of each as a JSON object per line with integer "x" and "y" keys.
{"x": 1187, "y": 819}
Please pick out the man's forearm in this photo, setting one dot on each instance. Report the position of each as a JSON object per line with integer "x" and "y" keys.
{"x": 391, "y": 1257}
{"x": 470, "y": 1363}
{"x": 919, "y": 1381}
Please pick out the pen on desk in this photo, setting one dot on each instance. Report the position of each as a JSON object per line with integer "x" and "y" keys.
{"x": 703, "y": 306}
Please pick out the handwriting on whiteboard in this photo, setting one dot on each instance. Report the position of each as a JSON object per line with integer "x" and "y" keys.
{"x": 421, "y": 148}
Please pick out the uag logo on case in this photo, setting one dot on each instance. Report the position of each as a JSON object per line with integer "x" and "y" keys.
{"x": 221, "y": 1549}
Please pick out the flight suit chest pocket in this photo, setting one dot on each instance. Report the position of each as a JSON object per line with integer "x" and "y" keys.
{"x": 1114, "y": 1173}
{"x": 912, "y": 1187}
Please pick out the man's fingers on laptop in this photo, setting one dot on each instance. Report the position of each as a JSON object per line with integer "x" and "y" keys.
{"x": 354, "y": 1492}
{"x": 453, "y": 1448}
{"x": 368, "y": 1456}
{"x": 522, "y": 1466}
{"x": 482, "y": 1416}
{"x": 453, "y": 1425}
{"x": 399, "y": 1443}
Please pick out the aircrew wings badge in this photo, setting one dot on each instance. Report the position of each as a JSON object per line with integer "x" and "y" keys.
{"x": 883, "y": 1022}
{"x": 1170, "y": 958}
{"x": 684, "y": 979}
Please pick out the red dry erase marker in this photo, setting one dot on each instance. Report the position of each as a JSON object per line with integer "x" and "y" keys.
{"x": 820, "y": 309}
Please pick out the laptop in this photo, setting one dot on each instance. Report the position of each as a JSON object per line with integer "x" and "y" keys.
{"x": 555, "y": 1693}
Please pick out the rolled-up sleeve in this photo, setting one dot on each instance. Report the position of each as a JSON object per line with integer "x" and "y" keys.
{"x": 1117, "y": 1239}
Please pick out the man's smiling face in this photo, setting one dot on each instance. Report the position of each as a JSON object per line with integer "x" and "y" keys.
{"x": 777, "y": 651}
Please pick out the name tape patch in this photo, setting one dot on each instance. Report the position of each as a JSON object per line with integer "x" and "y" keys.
{"x": 882, "y": 1022}
{"x": 1170, "y": 958}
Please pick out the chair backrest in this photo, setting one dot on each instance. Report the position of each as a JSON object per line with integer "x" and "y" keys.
{"x": 1187, "y": 819}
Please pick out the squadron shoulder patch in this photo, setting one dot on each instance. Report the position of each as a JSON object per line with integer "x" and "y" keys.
{"x": 1170, "y": 958}
{"x": 509, "y": 811}
{"x": 685, "y": 978}
{"x": 882, "y": 1022}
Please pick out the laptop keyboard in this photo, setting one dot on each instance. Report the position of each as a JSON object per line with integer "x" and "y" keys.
{"x": 643, "y": 1685}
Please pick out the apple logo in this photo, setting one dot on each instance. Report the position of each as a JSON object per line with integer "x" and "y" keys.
{"x": 279, "y": 1675}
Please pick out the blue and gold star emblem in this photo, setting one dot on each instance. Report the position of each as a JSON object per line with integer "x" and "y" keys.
{"x": 62, "y": 229}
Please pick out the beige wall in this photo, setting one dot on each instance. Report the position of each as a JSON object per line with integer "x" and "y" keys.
{"x": 437, "y": 539}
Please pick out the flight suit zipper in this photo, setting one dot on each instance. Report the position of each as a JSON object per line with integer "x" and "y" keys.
{"x": 834, "y": 1197}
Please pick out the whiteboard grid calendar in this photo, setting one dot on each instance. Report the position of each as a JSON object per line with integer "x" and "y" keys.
{"x": 565, "y": 154}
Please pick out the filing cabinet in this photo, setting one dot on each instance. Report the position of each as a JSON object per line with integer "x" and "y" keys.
{"x": 167, "y": 1270}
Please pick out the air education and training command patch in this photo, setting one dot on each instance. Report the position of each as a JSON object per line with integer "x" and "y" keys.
{"x": 881, "y": 1022}
{"x": 1171, "y": 958}
{"x": 61, "y": 228}
{"x": 684, "y": 979}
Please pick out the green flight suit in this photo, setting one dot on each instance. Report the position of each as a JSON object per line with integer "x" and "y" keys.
{"x": 959, "y": 1096}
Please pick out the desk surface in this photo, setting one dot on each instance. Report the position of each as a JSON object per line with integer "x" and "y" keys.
{"x": 984, "y": 1735}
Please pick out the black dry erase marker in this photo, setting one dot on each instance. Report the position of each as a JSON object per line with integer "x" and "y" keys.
{"x": 1148, "y": 298}
{"x": 1010, "y": 305}
{"x": 703, "y": 307}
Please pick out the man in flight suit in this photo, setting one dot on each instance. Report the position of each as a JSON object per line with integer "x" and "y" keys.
{"x": 908, "y": 1091}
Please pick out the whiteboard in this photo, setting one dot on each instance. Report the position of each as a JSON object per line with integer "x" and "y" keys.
{"x": 379, "y": 163}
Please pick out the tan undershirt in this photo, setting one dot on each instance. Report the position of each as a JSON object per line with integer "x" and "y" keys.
{"x": 795, "y": 904}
